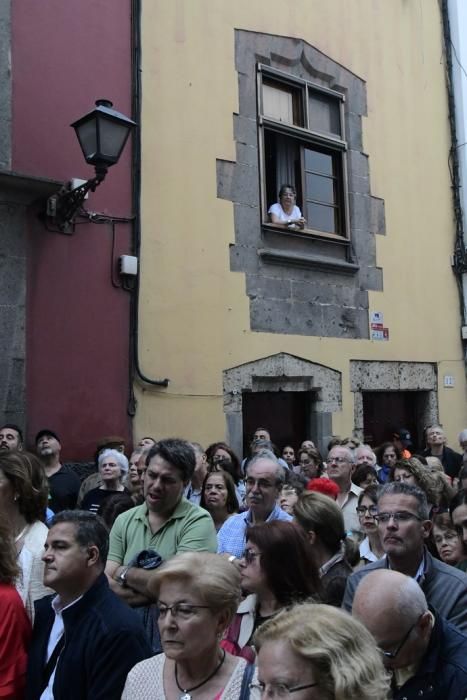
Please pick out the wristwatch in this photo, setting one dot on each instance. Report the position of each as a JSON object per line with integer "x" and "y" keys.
{"x": 121, "y": 578}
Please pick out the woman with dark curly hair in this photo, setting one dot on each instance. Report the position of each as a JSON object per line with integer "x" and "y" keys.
{"x": 218, "y": 496}
{"x": 15, "y": 627}
{"x": 387, "y": 455}
{"x": 412, "y": 471}
{"x": 277, "y": 570}
{"x": 310, "y": 463}
{"x": 219, "y": 454}
{"x": 23, "y": 501}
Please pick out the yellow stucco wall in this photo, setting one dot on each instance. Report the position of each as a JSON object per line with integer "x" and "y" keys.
{"x": 194, "y": 312}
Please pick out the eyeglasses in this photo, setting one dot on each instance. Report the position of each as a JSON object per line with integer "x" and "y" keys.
{"x": 278, "y": 690}
{"x": 393, "y": 654}
{"x": 338, "y": 460}
{"x": 249, "y": 556}
{"x": 371, "y": 510}
{"x": 260, "y": 483}
{"x": 182, "y": 611}
{"x": 402, "y": 516}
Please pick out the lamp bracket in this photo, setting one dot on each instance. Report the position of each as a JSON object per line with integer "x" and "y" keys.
{"x": 63, "y": 206}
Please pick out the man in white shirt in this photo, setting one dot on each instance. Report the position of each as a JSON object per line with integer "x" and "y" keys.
{"x": 341, "y": 466}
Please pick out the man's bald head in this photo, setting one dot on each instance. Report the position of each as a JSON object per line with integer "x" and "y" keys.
{"x": 384, "y": 590}
{"x": 389, "y": 604}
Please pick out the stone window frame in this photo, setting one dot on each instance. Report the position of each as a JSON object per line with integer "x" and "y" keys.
{"x": 285, "y": 298}
{"x": 303, "y": 134}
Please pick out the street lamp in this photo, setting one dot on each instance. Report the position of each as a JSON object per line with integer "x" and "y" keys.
{"x": 102, "y": 135}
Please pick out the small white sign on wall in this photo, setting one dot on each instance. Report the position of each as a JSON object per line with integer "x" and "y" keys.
{"x": 448, "y": 381}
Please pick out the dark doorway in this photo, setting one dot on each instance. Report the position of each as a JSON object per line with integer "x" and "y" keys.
{"x": 385, "y": 411}
{"x": 286, "y": 414}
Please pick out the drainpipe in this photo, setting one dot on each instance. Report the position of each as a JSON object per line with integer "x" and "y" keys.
{"x": 454, "y": 19}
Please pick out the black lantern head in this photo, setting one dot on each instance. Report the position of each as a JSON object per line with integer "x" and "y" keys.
{"x": 102, "y": 134}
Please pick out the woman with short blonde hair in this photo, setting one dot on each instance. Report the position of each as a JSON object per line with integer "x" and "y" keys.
{"x": 320, "y": 649}
{"x": 197, "y": 595}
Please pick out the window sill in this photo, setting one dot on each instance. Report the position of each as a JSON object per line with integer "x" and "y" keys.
{"x": 282, "y": 257}
{"x": 305, "y": 233}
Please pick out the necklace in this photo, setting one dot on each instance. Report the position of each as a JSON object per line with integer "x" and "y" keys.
{"x": 186, "y": 691}
{"x": 18, "y": 537}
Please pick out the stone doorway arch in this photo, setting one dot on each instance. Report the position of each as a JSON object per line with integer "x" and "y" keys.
{"x": 283, "y": 372}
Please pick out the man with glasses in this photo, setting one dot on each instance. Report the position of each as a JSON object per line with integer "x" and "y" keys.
{"x": 426, "y": 654}
{"x": 264, "y": 480}
{"x": 341, "y": 466}
{"x": 404, "y": 527}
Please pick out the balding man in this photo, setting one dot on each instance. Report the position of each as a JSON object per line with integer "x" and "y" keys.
{"x": 341, "y": 466}
{"x": 427, "y": 655}
{"x": 264, "y": 480}
{"x": 365, "y": 455}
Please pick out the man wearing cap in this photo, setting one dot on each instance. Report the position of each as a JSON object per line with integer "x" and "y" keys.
{"x": 63, "y": 482}
{"x": 402, "y": 440}
{"x": 436, "y": 441}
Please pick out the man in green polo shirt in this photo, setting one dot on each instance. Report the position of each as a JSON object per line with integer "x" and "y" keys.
{"x": 166, "y": 522}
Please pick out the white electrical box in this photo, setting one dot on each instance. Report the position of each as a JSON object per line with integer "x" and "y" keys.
{"x": 128, "y": 265}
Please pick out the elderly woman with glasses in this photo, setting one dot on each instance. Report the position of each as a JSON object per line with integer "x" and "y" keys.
{"x": 285, "y": 211}
{"x": 277, "y": 570}
{"x": 197, "y": 594}
{"x": 317, "y": 652}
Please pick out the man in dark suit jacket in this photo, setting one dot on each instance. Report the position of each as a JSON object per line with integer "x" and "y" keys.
{"x": 85, "y": 640}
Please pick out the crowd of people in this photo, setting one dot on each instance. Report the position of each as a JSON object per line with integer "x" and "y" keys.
{"x": 184, "y": 573}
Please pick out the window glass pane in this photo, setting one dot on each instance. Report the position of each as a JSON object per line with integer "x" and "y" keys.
{"x": 282, "y": 103}
{"x": 318, "y": 162}
{"x": 324, "y": 113}
{"x": 277, "y": 104}
{"x": 320, "y": 188}
{"x": 322, "y": 218}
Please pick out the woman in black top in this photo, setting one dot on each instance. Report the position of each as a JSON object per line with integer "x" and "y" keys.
{"x": 113, "y": 468}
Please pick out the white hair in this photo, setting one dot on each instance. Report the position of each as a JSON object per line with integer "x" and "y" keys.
{"x": 119, "y": 457}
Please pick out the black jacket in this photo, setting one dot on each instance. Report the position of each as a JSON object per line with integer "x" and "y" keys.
{"x": 103, "y": 641}
{"x": 444, "y": 586}
{"x": 443, "y": 671}
{"x": 451, "y": 461}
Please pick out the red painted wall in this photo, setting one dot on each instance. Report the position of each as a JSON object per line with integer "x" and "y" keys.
{"x": 65, "y": 55}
